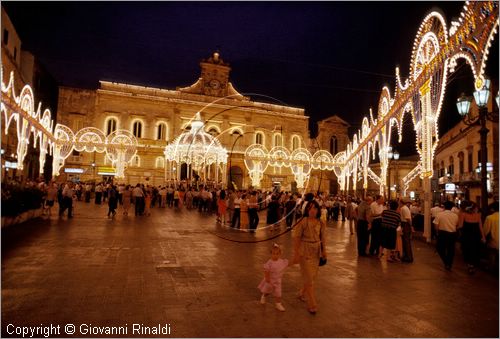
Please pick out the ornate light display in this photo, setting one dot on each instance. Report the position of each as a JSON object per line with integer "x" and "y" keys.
{"x": 21, "y": 109}
{"x": 196, "y": 148}
{"x": 300, "y": 161}
{"x": 256, "y": 162}
{"x": 119, "y": 146}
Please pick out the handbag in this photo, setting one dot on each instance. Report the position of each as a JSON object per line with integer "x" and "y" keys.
{"x": 322, "y": 261}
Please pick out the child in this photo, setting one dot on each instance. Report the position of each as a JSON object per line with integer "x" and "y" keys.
{"x": 273, "y": 272}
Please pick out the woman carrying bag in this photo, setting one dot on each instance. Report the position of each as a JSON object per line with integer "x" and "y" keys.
{"x": 309, "y": 249}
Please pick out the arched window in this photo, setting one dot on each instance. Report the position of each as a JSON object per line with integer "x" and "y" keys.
{"x": 136, "y": 161}
{"x": 461, "y": 162}
{"x": 213, "y": 132}
{"x": 111, "y": 126}
{"x": 441, "y": 169}
{"x": 161, "y": 132}
{"x": 295, "y": 142}
{"x": 451, "y": 166}
{"x": 137, "y": 129}
{"x": 469, "y": 162}
{"x": 333, "y": 145}
{"x": 160, "y": 162}
{"x": 277, "y": 140}
{"x": 259, "y": 138}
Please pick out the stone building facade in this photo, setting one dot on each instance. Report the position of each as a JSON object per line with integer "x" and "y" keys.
{"x": 157, "y": 116}
{"x": 458, "y": 156}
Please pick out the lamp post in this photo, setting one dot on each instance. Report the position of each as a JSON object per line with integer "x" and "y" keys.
{"x": 481, "y": 97}
{"x": 390, "y": 155}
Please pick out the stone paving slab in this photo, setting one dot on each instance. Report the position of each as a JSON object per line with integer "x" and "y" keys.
{"x": 176, "y": 268}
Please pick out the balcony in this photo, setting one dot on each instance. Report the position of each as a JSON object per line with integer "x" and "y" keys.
{"x": 470, "y": 177}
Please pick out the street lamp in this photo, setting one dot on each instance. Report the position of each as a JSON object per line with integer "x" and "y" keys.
{"x": 391, "y": 155}
{"x": 481, "y": 97}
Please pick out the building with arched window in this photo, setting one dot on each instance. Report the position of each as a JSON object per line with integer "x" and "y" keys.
{"x": 157, "y": 116}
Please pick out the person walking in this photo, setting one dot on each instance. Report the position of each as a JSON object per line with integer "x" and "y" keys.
{"x": 446, "y": 224}
{"x": 309, "y": 242}
{"x": 490, "y": 231}
{"x": 471, "y": 235}
{"x": 273, "y": 273}
{"x": 112, "y": 201}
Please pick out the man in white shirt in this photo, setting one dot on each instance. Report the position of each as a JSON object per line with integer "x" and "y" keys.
{"x": 235, "y": 223}
{"x": 446, "y": 225}
{"x": 376, "y": 208}
{"x": 407, "y": 229}
{"x": 434, "y": 212}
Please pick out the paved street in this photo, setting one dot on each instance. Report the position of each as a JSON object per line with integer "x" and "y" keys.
{"x": 176, "y": 268}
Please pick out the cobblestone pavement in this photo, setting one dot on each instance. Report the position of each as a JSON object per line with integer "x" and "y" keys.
{"x": 174, "y": 268}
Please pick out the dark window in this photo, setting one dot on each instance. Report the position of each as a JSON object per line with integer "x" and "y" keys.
{"x": 161, "y": 132}
{"x": 258, "y": 138}
{"x": 5, "y": 36}
{"x": 469, "y": 162}
{"x": 111, "y": 126}
{"x": 137, "y": 129}
{"x": 76, "y": 153}
{"x": 333, "y": 145}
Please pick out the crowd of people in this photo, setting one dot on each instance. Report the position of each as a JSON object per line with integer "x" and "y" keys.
{"x": 383, "y": 229}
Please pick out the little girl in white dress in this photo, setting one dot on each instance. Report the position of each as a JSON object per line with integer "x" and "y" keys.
{"x": 273, "y": 272}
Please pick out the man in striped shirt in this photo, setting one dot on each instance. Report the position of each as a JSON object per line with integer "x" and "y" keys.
{"x": 391, "y": 219}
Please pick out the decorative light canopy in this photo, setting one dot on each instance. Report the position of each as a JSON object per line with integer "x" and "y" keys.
{"x": 196, "y": 147}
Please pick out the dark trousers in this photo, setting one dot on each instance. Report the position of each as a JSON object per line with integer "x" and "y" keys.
{"x": 375, "y": 234}
{"x": 406, "y": 237}
{"x": 236, "y": 218}
{"x": 98, "y": 196}
{"x": 289, "y": 218}
{"x": 87, "y": 196}
{"x": 139, "y": 205}
{"x": 446, "y": 247}
{"x": 254, "y": 218}
{"x": 342, "y": 210}
{"x": 363, "y": 235}
{"x": 67, "y": 203}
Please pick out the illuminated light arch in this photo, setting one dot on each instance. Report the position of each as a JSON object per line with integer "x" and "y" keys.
{"x": 236, "y": 129}
{"x": 435, "y": 52}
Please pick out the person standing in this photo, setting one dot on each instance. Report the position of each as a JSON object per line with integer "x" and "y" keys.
{"x": 391, "y": 220}
{"x": 471, "y": 229}
{"x": 376, "y": 209}
{"x": 138, "y": 196}
{"x": 67, "y": 200}
{"x": 363, "y": 225}
{"x": 236, "y": 214}
{"x": 253, "y": 206}
{"x": 407, "y": 230}
{"x": 446, "y": 224}
{"x": 244, "y": 219}
{"x": 309, "y": 242}
{"x": 98, "y": 194}
{"x": 126, "y": 197}
{"x": 289, "y": 210}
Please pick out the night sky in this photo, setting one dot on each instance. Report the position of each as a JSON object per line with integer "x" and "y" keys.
{"x": 327, "y": 57}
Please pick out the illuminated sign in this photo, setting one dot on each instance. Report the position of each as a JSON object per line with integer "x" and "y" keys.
{"x": 73, "y": 170}
{"x": 106, "y": 171}
{"x": 9, "y": 164}
{"x": 449, "y": 187}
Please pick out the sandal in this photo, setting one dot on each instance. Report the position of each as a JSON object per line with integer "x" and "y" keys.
{"x": 312, "y": 311}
